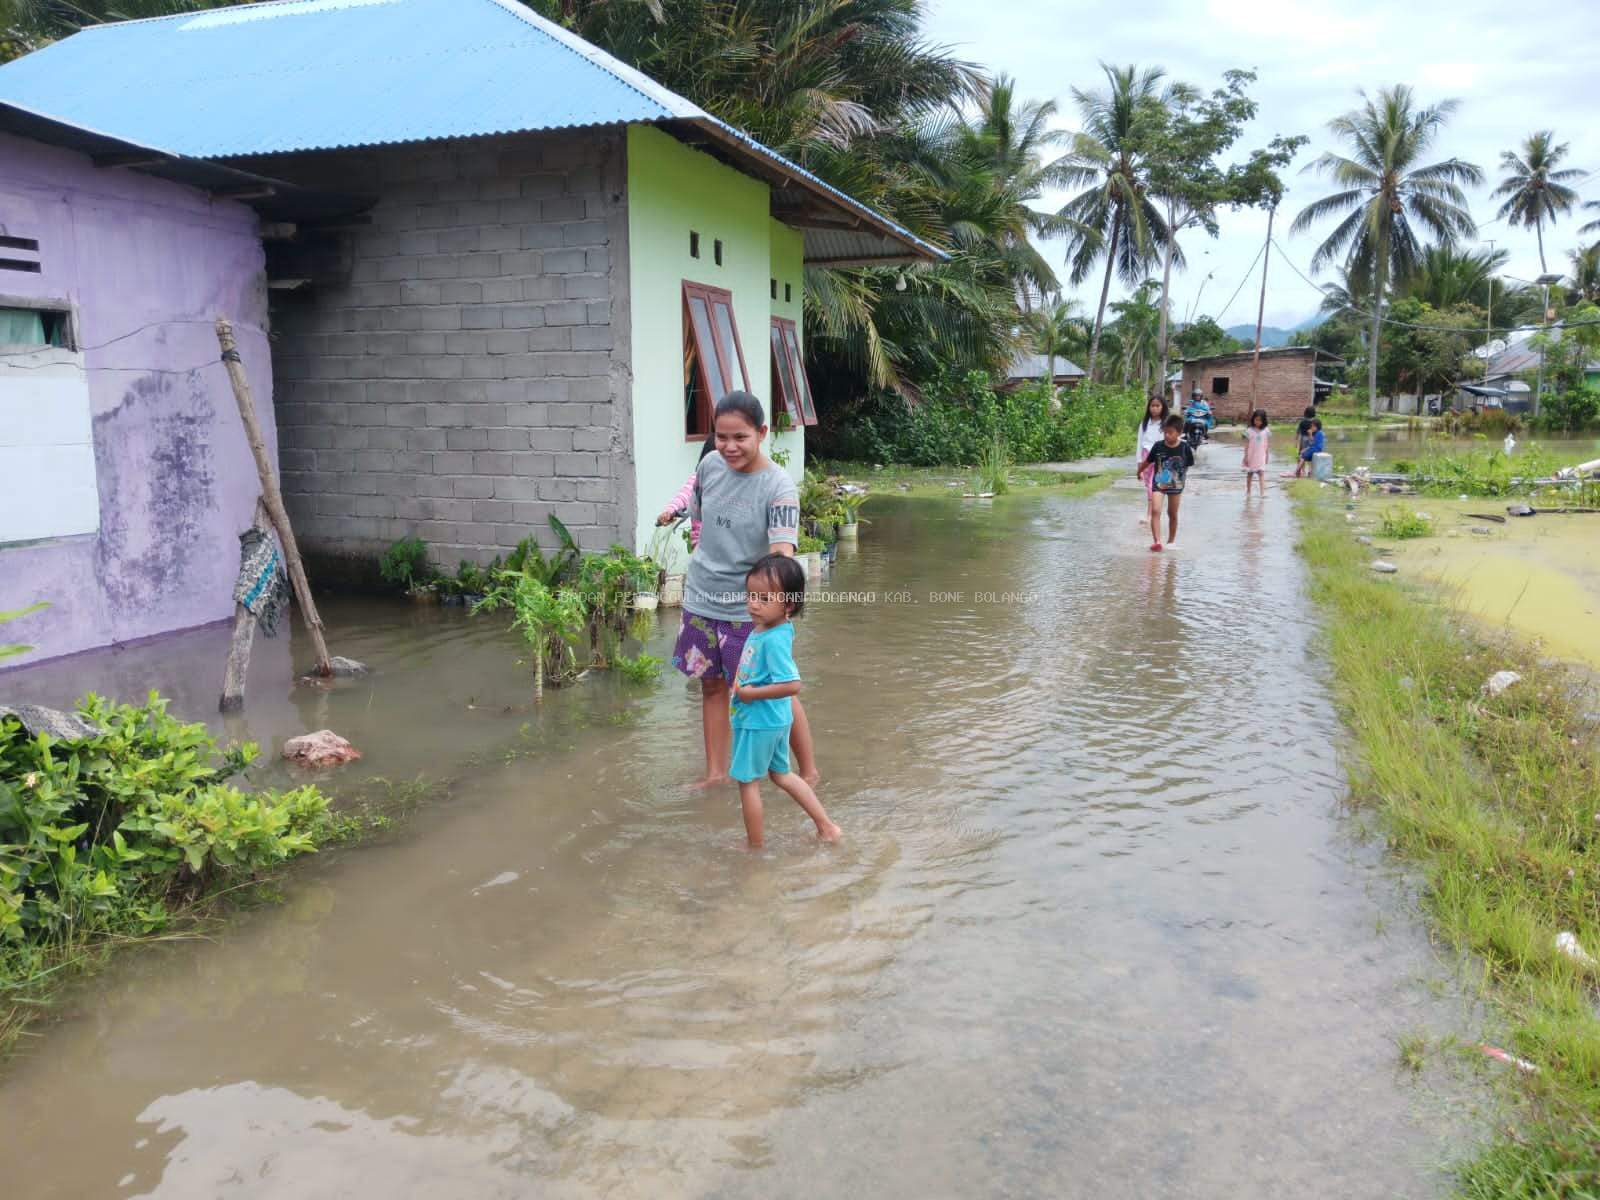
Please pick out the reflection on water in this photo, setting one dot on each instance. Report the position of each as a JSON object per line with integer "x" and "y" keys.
{"x": 1095, "y": 928}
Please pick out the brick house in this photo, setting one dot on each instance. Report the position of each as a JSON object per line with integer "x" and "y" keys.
{"x": 521, "y": 275}
{"x": 1286, "y": 386}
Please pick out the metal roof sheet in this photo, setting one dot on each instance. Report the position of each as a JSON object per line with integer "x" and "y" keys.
{"x": 1032, "y": 366}
{"x": 304, "y": 75}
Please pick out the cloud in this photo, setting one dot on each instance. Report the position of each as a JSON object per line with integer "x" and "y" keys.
{"x": 1513, "y": 75}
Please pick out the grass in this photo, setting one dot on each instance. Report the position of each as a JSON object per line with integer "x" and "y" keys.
{"x": 1496, "y": 800}
{"x": 1399, "y": 523}
{"x": 1413, "y": 1051}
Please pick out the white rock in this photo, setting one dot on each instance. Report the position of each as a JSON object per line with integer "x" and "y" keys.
{"x": 1500, "y": 681}
{"x": 1569, "y": 945}
{"x": 1384, "y": 568}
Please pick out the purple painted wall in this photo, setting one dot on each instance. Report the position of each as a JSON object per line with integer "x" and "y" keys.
{"x": 175, "y": 474}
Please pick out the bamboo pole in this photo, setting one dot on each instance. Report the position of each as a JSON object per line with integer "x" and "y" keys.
{"x": 244, "y": 632}
{"x": 270, "y": 496}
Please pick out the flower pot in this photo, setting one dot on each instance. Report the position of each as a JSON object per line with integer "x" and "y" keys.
{"x": 672, "y": 590}
{"x": 645, "y": 601}
{"x": 811, "y": 562}
{"x": 423, "y": 595}
{"x": 849, "y": 531}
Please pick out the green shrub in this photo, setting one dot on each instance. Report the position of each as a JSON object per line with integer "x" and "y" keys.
{"x": 11, "y": 651}
{"x": 1400, "y": 524}
{"x": 955, "y": 420}
{"x": 95, "y": 834}
{"x": 1481, "y": 473}
{"x": 552, "y": 621}
{"x": 404, "y": 565}
{"x": 1570, "y": 410}
{"x": 641, "y": 668}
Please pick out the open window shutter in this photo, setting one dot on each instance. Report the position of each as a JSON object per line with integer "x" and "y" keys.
{"x": 784, "y": 398}
{"x": 797, "y": 371}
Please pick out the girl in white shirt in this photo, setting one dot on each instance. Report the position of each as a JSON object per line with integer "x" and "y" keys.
{"x": 1155, "y": 412}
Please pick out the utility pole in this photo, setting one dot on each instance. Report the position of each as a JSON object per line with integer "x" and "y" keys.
{"x": 1261, "y": 312}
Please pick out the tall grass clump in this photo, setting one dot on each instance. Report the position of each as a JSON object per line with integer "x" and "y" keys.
{"x": 1496, "y": 799}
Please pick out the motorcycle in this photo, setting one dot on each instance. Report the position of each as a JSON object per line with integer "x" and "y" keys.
{"x": 1197, "y": 423}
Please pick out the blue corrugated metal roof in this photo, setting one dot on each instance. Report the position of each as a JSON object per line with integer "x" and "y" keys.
{"x": 294, "y": 75}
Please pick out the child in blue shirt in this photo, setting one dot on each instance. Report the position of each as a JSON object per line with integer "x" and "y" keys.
{"x": 759, "y": 707}
{"x": 1314, "y": 446}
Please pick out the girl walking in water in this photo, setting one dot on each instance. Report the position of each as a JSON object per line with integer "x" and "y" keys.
{"x": 1256, "y": 452}
{"x": 1169, "y": 461}
{"x": 1156, "y": 412}
{"x": 748, "y": 507}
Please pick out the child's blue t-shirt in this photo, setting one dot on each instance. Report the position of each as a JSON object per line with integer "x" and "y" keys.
{"x": 768, "y": 658}
{"x": 1314, "y": 445}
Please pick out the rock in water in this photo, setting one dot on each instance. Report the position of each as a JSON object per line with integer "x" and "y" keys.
{"x": 346, "y": 667}
{"x": 323, "y": 748}
{"x": 1384, "y": 568}
{"x": 1500, "y": 681}
{"x": 61, "y": 726}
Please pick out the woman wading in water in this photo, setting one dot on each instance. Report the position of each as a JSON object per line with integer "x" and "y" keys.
{"x": 748, "y": 507}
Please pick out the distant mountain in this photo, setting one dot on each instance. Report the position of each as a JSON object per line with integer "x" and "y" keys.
{"x": 1273, "y": 335}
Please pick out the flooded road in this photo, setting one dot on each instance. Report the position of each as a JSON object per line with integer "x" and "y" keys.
{"x": 1098, "y": 927}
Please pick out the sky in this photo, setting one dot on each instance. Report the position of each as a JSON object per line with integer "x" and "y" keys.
{"x": 1513, "y": 70}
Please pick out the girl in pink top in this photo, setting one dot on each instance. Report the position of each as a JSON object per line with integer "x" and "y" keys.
{"x": 1256, "y": 452}
{"x": 679, "y": 504}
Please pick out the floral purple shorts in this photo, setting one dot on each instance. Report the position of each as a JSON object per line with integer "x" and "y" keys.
{"x": 710, "y": 649}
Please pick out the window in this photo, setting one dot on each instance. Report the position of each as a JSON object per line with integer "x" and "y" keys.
{"x": 694, "y": 244}
{"x": 713, "y": 359}
{"x": 1219, "y": 385}
{"x": 48, "y": 486}
{"x": 774, "y": 289}
{"x": 791, "y": 391}
{"x": 788, "y": 294}
{"x": 716, "y": 251}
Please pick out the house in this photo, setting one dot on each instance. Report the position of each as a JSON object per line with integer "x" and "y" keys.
{"x": 125, "y": 476}
{"x": 1286, "y": 386}
{"x": 516, "y": 275}
{"x": 1511, "y": 375}
{"x": 1034, "y": 368}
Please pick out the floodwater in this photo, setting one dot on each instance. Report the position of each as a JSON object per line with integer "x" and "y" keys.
{"x": 1099, "y": 926}
{"x": 1353, "y": 447}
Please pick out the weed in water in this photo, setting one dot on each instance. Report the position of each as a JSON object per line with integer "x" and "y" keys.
{"x": 1413, "y": 1048}
{"x": 1399, "y": 523}
{"x": 641, "y": 668}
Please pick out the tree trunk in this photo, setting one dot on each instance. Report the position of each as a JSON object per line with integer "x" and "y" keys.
{"x": 1105, "y": 292}
{"x": 1166, "y": 293}
{"x": 1538, "y": 229}
{"x": 1377, "y": 327}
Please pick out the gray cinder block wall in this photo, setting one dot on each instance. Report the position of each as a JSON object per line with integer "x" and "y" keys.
{"x": 469, "y": 374}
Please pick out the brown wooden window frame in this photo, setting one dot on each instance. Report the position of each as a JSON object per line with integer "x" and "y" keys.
{"x": 713, "y": 298}
{"x": 791, "y": 387}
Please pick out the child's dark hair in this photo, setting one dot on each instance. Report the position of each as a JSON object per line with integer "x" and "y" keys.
{"x": 785, "y": 571}
{"x": 1166, "y": 410}
{"x": 1311, "y": 413}
{"x": 1262, "y": 413}
{"x": 706, "y": 448}
{"x": 746, "y": 405}
{"x": 1173, "y": 422}
{"x": 1316, "y": 423}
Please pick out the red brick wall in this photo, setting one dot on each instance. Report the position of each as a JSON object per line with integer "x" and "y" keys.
{"x": 1286, "y": 385}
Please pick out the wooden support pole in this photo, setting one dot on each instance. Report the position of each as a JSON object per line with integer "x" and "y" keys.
{"x": 244, "y": 632}
{"x": 1261, "y": 312}
{"x": 270, "y": 496}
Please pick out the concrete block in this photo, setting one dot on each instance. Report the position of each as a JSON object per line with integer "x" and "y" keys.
{"x": 466, "y": 345}
{"x": 564, "y": 262}
{"x": 514, "y": 341}
{"x": 452, "y": 462}
{"x": 493, "y": 462}
{"x": 425, "y": 439}
{"x": 351, "y": 437}
{"x": 507, "y": 439}
{"x": 585, "y": 287}
{"x": 475, "y": 487}
{"x": 482, "y": 316}
{"x": 584, "y": 233}
{"x": 493, "y": 510}
{"x": 576, "y": 464}
{"x": 553, "y": 440}
{"x": 552, "y": 339}
{"x": 593, "y": 337}
{"x": 374, "y": 460}
{"x": 515, "y": 487}
{"x": 565, "y": 313}
{"x": 441, "y": 416}
{"x": 561, "y": 208}
{"x": 598, "y": 440}
{"x": 461, "y": 241}
{"x": 468, "y": 439}
{"x": 439, "y": 266}
{"x": 502, "y": 291}
{"x": 459, "y": 291}
{"x": 444, "y": 318}
{"x": 400, "y": 318}
{"x": 542, "y": 287}
{"x": 486, "y": 368}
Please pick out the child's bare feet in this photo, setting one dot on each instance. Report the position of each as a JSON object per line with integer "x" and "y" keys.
{"x": 829, "y": 832}
{"x": 710, "y": 781}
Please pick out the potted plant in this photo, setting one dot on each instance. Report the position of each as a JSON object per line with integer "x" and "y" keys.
{"x": 850, "y": 509}
{"x": 809, "y": 552}
{"x": 404, "y": 565}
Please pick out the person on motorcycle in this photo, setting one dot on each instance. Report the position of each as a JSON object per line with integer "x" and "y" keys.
{"x": 1198, "y": 418}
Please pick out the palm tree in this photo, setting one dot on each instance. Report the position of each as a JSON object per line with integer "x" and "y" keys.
{"x": 1382, "y": 192}
{"x": 1138, "y": 324}
{"x": 1534, "y": 188}
{"x": 1115, "y": 214}
{"x": 1585, "y": 274}
{"x": 1592, "y": 226}
{"x": 1057, "y": 331}
{"x": 1446, "y": 276}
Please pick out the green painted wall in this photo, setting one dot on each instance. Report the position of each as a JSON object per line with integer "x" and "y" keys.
{"x": 673, "y": 190}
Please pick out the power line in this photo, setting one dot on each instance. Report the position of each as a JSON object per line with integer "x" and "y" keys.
{"x": 1249, "y": 271}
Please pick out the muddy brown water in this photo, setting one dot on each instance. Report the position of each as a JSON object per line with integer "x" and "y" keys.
{"x": 1099, "y": 926}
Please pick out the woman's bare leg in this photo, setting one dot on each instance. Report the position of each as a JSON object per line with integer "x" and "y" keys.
{"x": 718, "y": 733}
{"x": 805, "y": 756}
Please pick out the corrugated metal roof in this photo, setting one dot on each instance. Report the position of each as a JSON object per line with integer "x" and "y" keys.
{"x": 1032, "y": 366}
{"x": 299, "y": 75}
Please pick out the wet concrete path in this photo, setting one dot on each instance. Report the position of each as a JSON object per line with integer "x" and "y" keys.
{"x": 1099, "y": 927}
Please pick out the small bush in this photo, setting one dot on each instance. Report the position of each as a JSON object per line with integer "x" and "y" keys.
{"x": 1400, "y": 524}
{"x": 1490, "y": 422}
{"x": 404, "y": 565}
{"x": 641, "y": 668}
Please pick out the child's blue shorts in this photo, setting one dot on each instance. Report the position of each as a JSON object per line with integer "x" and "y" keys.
{"x": 758, "y": 751}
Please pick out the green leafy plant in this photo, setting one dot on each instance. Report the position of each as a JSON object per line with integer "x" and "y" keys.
{"x": 641, "y": 668}
{"x": 13, "y": 650}
{"x": 608, "y": 584}
{"x": 404, "y": 565}
{"x": 850, "y": 505}
{"x": 559, "y": 568}
{"x": 1400, "y": 523}
{"x": 810, "y": 544}
{"x": 994, "y": 470}
{"x": 552, "y": 621}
